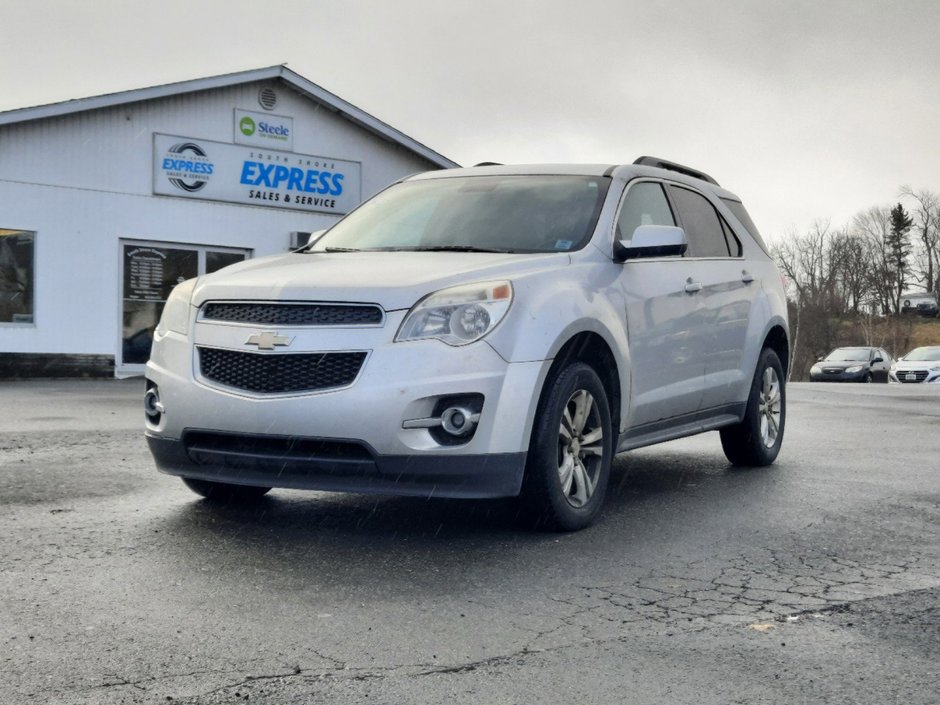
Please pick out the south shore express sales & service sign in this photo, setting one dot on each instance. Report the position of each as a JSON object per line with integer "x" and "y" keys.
{"x": 256, "y": 176}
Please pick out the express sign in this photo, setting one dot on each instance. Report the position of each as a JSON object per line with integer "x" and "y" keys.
{"x": 217, "y": 171}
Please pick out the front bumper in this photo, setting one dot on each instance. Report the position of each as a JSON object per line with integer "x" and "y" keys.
{"x": 399, "y": 382}
{"x": 838, "y": 376}
{"x": 460, "y": 476}
{"x": 914, "y": 376}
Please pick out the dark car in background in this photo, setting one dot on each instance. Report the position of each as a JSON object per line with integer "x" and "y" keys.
{"x": 852, "y": 365}
{"x": 921, "y": 304}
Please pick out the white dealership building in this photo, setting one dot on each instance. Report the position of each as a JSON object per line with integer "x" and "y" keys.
{"x": 107, "y": 202}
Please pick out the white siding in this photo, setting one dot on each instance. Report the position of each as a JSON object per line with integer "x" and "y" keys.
{"x": 83, "y": 183}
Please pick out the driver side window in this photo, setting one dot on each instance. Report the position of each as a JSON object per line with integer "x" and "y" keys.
{"x": 644, "y": 204}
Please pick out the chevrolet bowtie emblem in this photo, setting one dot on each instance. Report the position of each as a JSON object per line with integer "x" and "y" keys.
{"x": 268, "y": 339}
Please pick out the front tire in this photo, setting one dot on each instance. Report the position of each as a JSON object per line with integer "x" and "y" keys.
{"x": 568, "y": 465}
{"x": 757, "y": 439}
{"x": 225, "y": 493}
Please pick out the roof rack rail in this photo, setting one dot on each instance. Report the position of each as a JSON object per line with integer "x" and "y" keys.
{"x": 488, "y": 164}
{"x": 672, "y": 166}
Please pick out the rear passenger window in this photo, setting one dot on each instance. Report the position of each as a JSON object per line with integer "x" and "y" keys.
{"x": 703, "y": 227}
{"x": 645, "y": 204}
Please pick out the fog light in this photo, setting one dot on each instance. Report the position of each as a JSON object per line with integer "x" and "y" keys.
{"x": 153, "y": 407}
{"x": 458, "y": 420}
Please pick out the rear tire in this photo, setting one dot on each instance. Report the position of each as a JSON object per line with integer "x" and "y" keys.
{"x": 568, "y": 464}
{"x": 757, "y": 439}
{"x": 225, "y": 493}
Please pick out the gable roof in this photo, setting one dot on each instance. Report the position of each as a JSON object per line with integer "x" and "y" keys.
{"x": 294, "y": 80}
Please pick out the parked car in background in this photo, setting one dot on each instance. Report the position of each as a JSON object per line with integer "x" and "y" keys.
{"x": 852, "y": 365}
{"x": 922, "y": 304}
{"x": 919, "y": 365}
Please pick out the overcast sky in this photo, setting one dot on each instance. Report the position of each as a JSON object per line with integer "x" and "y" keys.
{"x": 807, "y": 110}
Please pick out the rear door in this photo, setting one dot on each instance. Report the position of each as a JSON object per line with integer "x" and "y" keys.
{"x": 726, "y": 296}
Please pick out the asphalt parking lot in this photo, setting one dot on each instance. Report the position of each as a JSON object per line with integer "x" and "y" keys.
{"x": 812, "y": 581}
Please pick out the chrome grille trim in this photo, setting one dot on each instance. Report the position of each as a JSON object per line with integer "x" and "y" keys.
{"x": 292, "y": 314}
{"x": 902, "y": 374}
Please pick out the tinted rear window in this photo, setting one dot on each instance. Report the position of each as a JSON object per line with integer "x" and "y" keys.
{"x": 741, "y": 214}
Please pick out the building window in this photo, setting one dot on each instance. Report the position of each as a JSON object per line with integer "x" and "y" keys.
{"x": 17, "y": 275}
{"x": 150, "y": 271}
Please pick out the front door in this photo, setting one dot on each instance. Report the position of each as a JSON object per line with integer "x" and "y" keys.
{"x": 664, "y": 317}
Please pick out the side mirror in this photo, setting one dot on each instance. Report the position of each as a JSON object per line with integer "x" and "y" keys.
{"x": 652, "y": 241}
{"x": 877, "y": 360}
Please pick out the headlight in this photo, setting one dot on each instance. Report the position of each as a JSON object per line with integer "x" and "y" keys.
{"x": 177, "y": 310}
{"x": 459, "y": 315}
{"x": 854, "y": 368}
{"x": 815, "y": 369}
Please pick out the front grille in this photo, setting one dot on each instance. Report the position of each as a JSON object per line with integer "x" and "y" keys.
{"x": 279, "y": 373}
{"x": 287, "y": 314}
{"x": 834, "y": 371}
{"x": 920, "y": 374}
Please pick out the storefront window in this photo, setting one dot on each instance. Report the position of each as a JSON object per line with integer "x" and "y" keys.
{"x": 216, "y": 260}
{"x": 150, "y": 271}
{"x": 17, "y": 276}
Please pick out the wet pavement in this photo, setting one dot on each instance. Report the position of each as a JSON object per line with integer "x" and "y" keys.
{"x": 815, "y": 580}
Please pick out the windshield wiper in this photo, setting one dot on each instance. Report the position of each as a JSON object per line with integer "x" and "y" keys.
{"x": 417, "y": 248}
{"x": 458, "y": 248}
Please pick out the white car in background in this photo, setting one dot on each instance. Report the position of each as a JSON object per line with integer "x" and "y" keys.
{"x": 483, "y": 332}
{"x": 918, "y": 366}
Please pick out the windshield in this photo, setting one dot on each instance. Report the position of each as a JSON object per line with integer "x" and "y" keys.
{"x": 846, "y": 354}
{"x": 488, "y": 213}
{"x": 923, "y": 354}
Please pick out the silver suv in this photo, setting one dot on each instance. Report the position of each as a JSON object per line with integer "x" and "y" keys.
{"x": 484, "y": 332}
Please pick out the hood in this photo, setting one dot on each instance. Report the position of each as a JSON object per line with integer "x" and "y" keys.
{"x": 393, "y": 280}
{"x": 916, "y": 364}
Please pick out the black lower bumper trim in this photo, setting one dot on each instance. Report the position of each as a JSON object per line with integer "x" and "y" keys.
{"x": 463, "y": 476}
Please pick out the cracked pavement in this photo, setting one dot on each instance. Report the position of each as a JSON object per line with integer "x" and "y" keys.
{"x": 815, "y": 580}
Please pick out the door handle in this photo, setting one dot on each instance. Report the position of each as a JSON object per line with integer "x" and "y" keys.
{"x": 746, "y": 276}
{"x": 691, "y": 286}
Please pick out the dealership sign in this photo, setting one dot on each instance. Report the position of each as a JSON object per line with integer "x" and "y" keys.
{"x": 264, "y": 130}
{"x": 217, "y": 171}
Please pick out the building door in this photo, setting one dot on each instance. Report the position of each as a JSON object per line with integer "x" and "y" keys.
{"x": 150, "y": 270}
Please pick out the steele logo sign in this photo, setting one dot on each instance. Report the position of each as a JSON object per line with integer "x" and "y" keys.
{"x": 261, "y": 129}
{"x": 247, "y": 126}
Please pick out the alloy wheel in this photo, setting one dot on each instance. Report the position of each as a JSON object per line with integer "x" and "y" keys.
{"x": 580, "y": 448}
{"x": 771, "y": 405}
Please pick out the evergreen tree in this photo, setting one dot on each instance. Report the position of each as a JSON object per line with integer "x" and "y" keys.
{"x": 899, "y": 248}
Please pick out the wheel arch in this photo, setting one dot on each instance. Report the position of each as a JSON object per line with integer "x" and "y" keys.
{"x": 592, "y": 349}
{"x": 778, "y": 341}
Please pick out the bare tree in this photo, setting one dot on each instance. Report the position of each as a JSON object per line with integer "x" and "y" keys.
{"x": 807, "y": 262}
{"x": 926, "y": 259}
{"x": 852, "y": 262}
{"x": 874, "y": 228}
